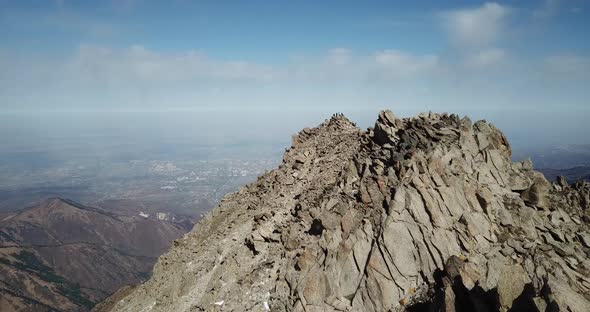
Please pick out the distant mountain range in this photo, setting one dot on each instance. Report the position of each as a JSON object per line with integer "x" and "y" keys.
{"x": 568, "y": 160}
{"x": 556, "y": 156}
{"x": 571, "y": 174}
{"x": 61, "y": 255}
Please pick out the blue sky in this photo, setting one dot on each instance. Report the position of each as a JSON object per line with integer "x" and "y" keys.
{"x": 472, "y": 57}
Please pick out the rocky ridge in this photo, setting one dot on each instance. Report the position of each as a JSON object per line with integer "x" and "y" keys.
{"x": 417, "y": 214}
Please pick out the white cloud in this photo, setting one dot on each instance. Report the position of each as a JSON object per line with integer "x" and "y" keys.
{"x": 139, "y": 64}
{"x": 339, "y": 56}
{"x": 568, "y": 64}
{"x": 139, "y": 68}
{"x": 477, "y": 27}
{"x": 485, "y": 58}
{"x": 140, "y": 77}
{"x": 342, "y": 65}
{"x": 548, "y": 8}
{"x": 398, "y": 64}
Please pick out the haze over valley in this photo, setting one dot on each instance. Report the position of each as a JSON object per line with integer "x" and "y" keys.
{"x": 177, "y": 162}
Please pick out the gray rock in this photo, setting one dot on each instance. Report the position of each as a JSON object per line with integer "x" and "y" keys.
{"x": 537, "y": 194}
{"x": 366, "y": 221}
{"x": 584, "y": 238}
{"x": 511, "y": 284}
{"x": 561, "y": 181}
{"x": 505, "y": 217}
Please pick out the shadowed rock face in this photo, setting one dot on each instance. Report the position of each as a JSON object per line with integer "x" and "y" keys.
{"x": 416, "y": 214}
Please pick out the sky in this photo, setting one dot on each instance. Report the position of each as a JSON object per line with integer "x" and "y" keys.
{"x": 525, "y": 62}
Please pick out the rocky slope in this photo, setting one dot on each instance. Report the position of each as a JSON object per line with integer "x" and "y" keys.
{"x": 416, "y": 214}
{"x": 60, "y": 255}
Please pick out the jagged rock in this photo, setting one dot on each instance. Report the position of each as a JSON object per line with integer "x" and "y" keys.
{"x": 537, "y": 194}
{"x": 584, "y": 238}
{"x": 466, "y": 271}
{"x": 562, "y": 182}
{"x": 422, "y": 212}
{"x": 511, "y": 284}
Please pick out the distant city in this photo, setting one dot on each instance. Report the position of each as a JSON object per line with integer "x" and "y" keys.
{"x": 184, "y": 187}
{"x": 134, "y": 163}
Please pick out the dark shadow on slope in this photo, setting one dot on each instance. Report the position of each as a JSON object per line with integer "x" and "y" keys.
{"x": 464, "y": 300}
{"x": 525, "y": 302}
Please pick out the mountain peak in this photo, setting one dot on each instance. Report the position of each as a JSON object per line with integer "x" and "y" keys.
{"x": 384, "y": 220}
{"x": 57, "y": 206}
{"x": 58, "y": 201}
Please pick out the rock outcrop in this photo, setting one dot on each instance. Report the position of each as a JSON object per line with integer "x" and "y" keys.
{"x": 416, "y": 214}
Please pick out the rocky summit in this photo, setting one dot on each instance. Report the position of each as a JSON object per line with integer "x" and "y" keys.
{"x": 415, "y": 214}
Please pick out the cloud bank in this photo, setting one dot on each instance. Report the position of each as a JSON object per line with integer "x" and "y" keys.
{"x": 476, "y": 65}
{"x": 477, "y": 27}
